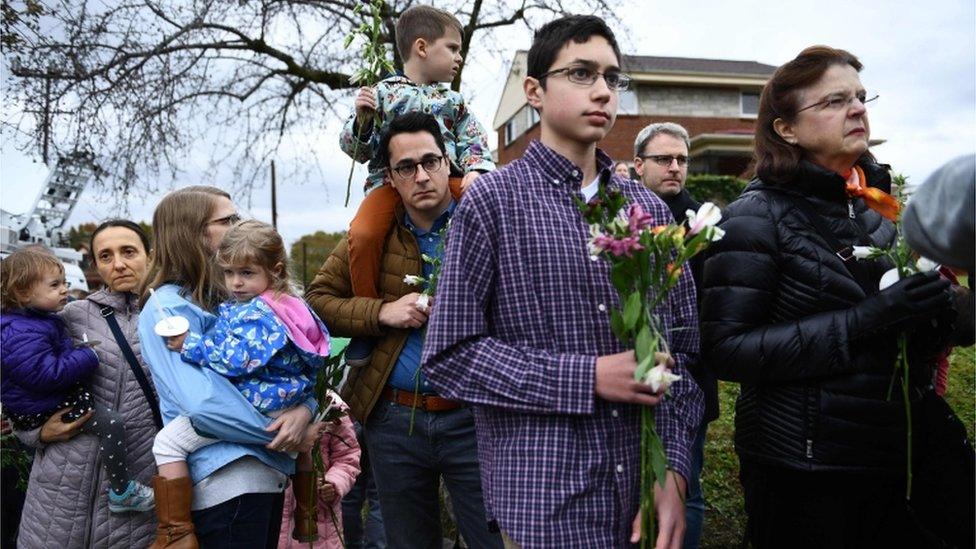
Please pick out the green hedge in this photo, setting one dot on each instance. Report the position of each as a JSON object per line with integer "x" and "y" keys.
{"x": 720, "y": 189}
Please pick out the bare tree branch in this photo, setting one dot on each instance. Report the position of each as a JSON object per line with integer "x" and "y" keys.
{"x": 145, "y": 84}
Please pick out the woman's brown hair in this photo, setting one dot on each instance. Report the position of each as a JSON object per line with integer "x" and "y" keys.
{"x": 777, "y": 161}
{"x": 254, "y": 242}
{"x": 21, "y": 270}
{"x": 179, "y": 253}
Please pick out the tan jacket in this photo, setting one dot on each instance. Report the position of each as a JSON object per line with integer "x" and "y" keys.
{"x": 330, "y": 295}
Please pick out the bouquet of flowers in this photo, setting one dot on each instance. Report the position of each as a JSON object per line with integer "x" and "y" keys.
{"x": 645, "y": 264}
{"x": 905, "y": 265}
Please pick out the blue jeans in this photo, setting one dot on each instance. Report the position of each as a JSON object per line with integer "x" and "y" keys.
{"x": 363, "y": 491}
{"x": 408, "y": 469}
{"x": 695, "y": 501}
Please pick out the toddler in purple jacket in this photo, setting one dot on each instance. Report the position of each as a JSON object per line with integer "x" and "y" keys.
{"x": 42, "y": 370}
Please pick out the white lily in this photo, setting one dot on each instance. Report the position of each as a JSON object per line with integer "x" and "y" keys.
{"x": 715, "y": 234}
{"x": 708, "y": 215}
{"x": 660, "y": 378}
{"x": 595, "y": 232}
{"x": 413, "y": 280}
{"x": 864, "y": 252}
{"x": 925, "y": 265}
{"x": 423, "y": 303}
{"x": 890, "y": 277}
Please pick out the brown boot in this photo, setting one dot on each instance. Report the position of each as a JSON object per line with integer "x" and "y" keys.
{"x": 175, "y": 529}
{"x": 306, "y": 519}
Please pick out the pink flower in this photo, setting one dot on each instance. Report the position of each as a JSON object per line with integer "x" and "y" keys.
{"x": 637, "y": 218}
{"x": 618, "y": 247}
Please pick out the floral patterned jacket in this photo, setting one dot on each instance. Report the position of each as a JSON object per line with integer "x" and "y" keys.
{"x": 465, "y": 138}
{"x": 252, "y": 347}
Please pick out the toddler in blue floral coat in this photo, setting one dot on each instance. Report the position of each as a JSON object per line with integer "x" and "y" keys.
{"x": 266, "y": 341}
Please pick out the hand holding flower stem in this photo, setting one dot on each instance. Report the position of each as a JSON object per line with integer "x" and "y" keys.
{"x": 905, "y": 265}
{"x": 645, "y": 264}
{"x": 376, "y": 63}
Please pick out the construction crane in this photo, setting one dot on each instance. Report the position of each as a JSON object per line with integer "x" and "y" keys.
{"x": 45, "y": 222}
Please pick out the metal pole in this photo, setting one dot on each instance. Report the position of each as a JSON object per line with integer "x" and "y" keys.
{"x": 274, "y": 198}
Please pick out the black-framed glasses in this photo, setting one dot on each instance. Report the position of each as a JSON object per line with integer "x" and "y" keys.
{"x": 585, "y": 76}
{"x": 837, "y": 102}
{"x": 226, "y": 220}
{"x": 665, "y": 160}
{"x": 431, "y": 164}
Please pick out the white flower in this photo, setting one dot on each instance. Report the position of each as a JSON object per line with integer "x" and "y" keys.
{"x": 925, "y": 265}
{"x": 715, "y": 233}
{"x": 591, "y": 246}
{"x": 423, "y": 303}
{"x": 413, "y": 280}
{"x": 864, "y": 252}
{"x": 660, "y": 378}
{"x": 890, "y": 277}
{"x": 708, "y": 215}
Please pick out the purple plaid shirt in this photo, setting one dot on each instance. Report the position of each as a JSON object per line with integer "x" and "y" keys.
{"x": 522, "y": 313}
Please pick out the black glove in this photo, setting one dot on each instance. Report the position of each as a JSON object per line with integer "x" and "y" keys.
{"x": 902, "y": 305}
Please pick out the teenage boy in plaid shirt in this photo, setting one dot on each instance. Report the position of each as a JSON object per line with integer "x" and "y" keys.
{"x": 520, "y": 326}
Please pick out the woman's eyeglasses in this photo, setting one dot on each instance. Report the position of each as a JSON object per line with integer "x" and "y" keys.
{"x": 226, "y": 220}
{"x": 839, "y": 102}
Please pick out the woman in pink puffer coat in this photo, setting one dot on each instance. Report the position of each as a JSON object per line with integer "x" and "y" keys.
{"x": 340, "y": 454}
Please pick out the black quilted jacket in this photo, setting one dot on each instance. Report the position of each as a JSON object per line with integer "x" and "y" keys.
{"x": 777, "y": 317}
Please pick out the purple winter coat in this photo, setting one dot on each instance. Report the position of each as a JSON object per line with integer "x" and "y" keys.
{"x": 38, "y": 362}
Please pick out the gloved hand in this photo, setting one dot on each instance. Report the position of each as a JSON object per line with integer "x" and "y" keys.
{"x": 902, "y": 305}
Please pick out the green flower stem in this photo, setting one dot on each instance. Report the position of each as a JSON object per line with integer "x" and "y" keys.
{"x": 352, "y": 169}
{"x": 646, "y": 479}
{"x": 903, "y": 360}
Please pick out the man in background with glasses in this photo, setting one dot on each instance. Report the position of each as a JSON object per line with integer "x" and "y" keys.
{"x": 414, "y": 436}
{"x": 661, "y": 162}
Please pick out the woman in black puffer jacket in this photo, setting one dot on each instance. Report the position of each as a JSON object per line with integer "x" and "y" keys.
{"x": 813, "y": 341}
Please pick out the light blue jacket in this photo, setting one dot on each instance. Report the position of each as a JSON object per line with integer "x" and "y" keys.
{"x": 215, "y": 407}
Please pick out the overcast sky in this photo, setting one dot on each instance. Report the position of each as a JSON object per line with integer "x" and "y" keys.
{"x": 921, "y": 58}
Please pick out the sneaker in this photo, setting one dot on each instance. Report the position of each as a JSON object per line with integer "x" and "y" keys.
{"x": 137, "y": 497}
{"x": 359, "y": 352}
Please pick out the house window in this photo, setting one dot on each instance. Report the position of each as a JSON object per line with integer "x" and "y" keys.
{"x": 749, "y": 102}
{"x": 628, "y": 102}
{"x": 533, "y": 116}
{"x": 510, "y": 131}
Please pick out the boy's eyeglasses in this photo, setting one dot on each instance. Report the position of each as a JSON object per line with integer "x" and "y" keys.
{"x": 665, "y": 160}
{"x": 585, "y": 76}
{"x": 431, "y": 164}
{"x": 838, "y": 102}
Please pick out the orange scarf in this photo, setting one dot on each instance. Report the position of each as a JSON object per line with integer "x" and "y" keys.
{"x": 876, "y": 199}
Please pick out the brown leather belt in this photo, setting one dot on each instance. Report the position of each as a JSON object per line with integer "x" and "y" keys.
{"x": 427, "y": 403}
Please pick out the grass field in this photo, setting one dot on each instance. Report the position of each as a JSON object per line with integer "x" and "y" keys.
{"x": 724, "y": 515}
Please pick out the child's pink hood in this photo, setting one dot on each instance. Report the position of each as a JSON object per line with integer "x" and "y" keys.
{"x": 304, "y": 329}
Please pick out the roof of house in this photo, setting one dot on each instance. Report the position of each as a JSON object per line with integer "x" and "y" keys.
{"x": 649, "y": 63}
{"x": 646, "y": 68}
